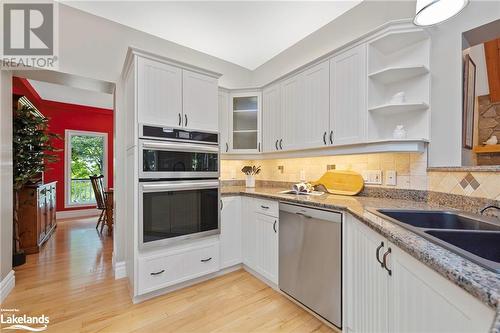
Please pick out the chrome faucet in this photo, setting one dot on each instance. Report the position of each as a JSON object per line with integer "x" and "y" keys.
{"x": 488, "y": 207}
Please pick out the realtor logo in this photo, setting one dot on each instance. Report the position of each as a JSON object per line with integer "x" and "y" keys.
{"x": 29, "y": 31}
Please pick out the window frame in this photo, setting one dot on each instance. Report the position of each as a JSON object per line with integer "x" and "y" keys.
{"x": 67, "y": 164}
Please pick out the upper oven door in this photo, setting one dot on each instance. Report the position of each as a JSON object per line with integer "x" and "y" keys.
{"x": 170, "y": 160}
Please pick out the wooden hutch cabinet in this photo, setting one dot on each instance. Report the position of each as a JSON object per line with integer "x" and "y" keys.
{"x": 37, "y": 215}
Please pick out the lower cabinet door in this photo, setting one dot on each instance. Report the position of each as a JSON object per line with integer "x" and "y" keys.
{"x": 365, "y": 280}
{"x": 421, "y": 300}
{"x": 230, "y": 235}
{"x": 267, "y": 246}
{"x": 249, "y": 233}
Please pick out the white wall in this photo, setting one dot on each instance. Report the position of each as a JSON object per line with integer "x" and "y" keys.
{"x": 94, "y": 47}
{"x": 6, "y": 208}
{"x": 446, "y": 68}
{"x": 355, "y": 23}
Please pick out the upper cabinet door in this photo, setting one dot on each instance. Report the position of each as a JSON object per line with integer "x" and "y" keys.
{"x": 316, "y": 113}
{"x": 292, "y": 112}
{"x": 200, "y": 111}
{"x": 271, "y": 118}
{"x": 159, "y": 93}
{"x": 245, "y": 122}
{"x": 224, "y": 121}
{"x": 348, "y": 96}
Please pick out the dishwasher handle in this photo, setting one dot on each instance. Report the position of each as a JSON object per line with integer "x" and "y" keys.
{"x": 311, "y": 213}
{"x": 302, "y": 214}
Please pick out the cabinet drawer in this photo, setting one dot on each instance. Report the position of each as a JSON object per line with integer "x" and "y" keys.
{"x": 201, "y": 261}
{"x": 268, "y": 207}
{"x": 159, "y": 272}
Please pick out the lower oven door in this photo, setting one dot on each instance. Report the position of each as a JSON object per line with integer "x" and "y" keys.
{"x": 177, "y": 210}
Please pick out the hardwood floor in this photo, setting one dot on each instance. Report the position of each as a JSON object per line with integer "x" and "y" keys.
{"x": 71, "y": 281}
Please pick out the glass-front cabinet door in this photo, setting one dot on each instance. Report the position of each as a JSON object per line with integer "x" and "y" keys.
{"x": 245, "y": 119}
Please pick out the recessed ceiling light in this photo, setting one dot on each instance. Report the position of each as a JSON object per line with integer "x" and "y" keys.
{"x": 430, "y": 12}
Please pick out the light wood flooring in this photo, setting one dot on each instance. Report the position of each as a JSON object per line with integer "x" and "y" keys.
{"x": 71, "y": 281}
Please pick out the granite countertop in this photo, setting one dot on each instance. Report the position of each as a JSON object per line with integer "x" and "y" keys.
{"x": 476, "y": 280}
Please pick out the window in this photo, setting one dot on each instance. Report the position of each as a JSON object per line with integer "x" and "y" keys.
{"x": 85, "y": 156}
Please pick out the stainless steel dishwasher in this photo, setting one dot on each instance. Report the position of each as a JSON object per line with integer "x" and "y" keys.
{"x": 310, "y": 259}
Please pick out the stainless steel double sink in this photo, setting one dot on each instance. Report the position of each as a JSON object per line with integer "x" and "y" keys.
{"x": 474, "y": 237}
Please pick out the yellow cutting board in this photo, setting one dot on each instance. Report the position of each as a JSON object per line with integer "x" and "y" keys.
{"x": 341, "y": 182}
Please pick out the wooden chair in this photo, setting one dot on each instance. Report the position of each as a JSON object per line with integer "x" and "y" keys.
{"x": 100, "y": 198}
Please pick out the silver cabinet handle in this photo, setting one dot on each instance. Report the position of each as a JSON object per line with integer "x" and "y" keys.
{"x": 157, "y": 273}
{"x": 259, "y": 147}
{"x": 227, "y": 147}
{"x": 274, "y": 227}
{"x": 180, "y": 119}
{"x": 276, "y": 144}
{"x": 377, "y": 254}
{"x": 206, "y": 260}
{"x": 281, "y": 141}
{"x": 264, "y": 207}
{"x": 331, "y": 137}
{"x": 185, "y": 120}
{"x": 385, "y": 261}
{"x": 221, "y": 204}
{"x": 324, "y": 138}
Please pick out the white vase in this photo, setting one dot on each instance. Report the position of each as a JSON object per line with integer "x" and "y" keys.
{"x": 250, "y": 181}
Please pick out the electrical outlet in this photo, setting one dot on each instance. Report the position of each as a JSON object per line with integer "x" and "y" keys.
{"x": 390, "y": 178}
{"x": 373, "y": 177}
{"x": 330, "y": 167}
{"x": 281, "y": 168}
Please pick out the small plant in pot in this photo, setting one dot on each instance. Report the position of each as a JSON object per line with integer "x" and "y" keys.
{"x": 250, "y": 173}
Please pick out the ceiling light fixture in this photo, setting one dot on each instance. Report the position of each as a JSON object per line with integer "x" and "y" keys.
{"x": 430, "y": 12}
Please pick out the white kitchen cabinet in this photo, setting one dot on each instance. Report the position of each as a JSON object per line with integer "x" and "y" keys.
{"x": 272, "y": 119}
{"x": 412, "y": 298}
{"x": 245, "y": 122}
{"x": 159, "y": 93}
{"x": 249, "y": 233}
{"x": 292, "y": 108}
{"x": 348, "y": 112}
{"x": 199, "y": 101}
{"x": 316, "y": 113}
{"x": 224, "y": 121}
{"x": 365, "y": 300}
{"x": 231, "y": 233}
{"x": 267, "y": 246}
{"x": 260, "y": 237}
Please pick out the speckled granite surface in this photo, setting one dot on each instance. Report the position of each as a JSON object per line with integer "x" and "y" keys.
{"x": 476, "y": 280}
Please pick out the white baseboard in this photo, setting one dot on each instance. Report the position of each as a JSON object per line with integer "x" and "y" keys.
{"x": 71, "y": 214}
{"x": 6, "y": 285}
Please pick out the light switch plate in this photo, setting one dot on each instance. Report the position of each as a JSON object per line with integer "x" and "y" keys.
{"x": 390, "y": 178}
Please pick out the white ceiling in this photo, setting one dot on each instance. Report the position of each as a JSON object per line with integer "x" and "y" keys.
{"x": 247, "y": 33}
{"x": 66, "y": 94}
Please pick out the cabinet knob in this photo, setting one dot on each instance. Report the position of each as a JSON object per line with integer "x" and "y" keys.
{"x": 324, "y": 138}
{"x": 227, "y": 147}
{"x": 274, "y": 227}
{"x": 180, "y": 119}
{"x": 276, "y": 144}
{"x": 158, "y": 273}
{"x": 331, "y": 137}
{"x": 206, "y": 260}
{"x": 185, "y": 120}
{"x": 281, "y": 141}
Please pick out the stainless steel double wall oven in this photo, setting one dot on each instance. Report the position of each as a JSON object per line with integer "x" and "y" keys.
{"x": 179, "y": 185}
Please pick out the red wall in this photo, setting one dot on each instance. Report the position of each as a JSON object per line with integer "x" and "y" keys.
{"x": 62, "y": 117}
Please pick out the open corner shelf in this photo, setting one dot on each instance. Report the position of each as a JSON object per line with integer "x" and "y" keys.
{"x": 489, "y": 149}
{"x": 395, "y": 74}
{"x": 397, "y": 40}
{"x": 391, "y": 108}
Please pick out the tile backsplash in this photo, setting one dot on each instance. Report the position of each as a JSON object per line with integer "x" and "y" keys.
{"x": 411, "y": 172}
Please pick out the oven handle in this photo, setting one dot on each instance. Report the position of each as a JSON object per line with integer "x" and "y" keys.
{"x": 179, "y": 147}
{"x": 155, "y": 187}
